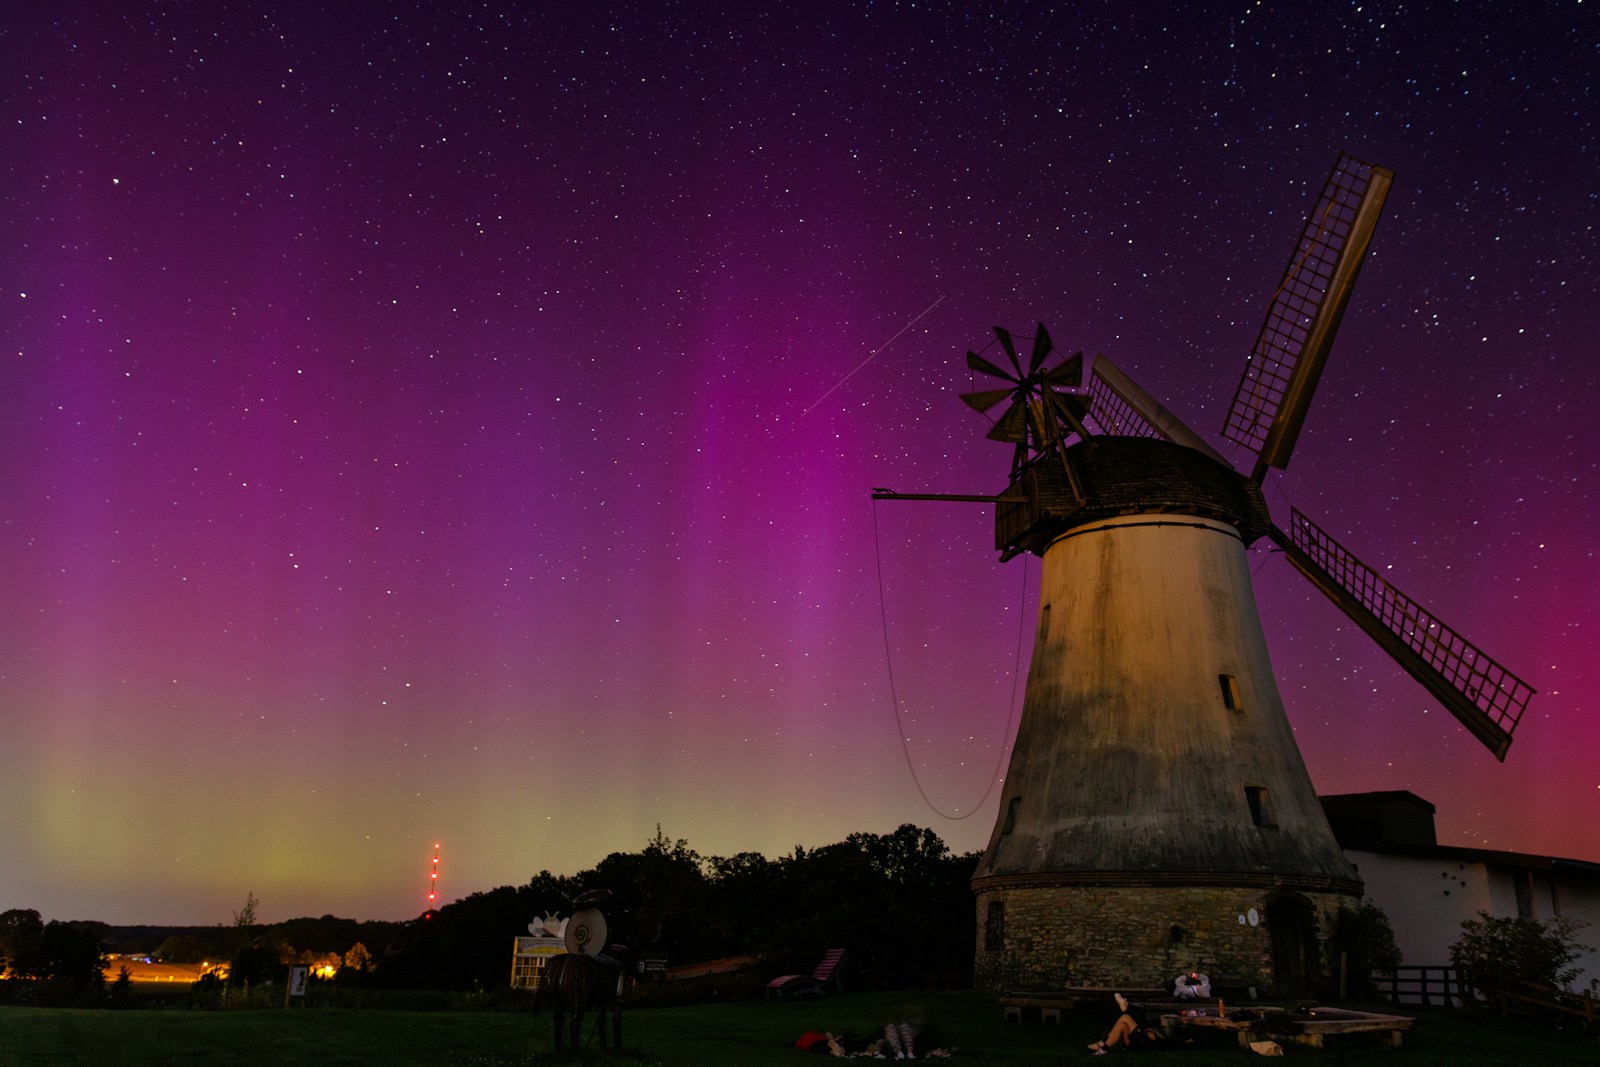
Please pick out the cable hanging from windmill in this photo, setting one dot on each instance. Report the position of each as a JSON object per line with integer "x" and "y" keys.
{"x": 894, "y": 696}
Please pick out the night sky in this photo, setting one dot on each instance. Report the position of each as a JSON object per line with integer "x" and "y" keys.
{"x": 460, "y": 427}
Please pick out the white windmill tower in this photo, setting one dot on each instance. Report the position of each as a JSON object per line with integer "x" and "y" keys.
{"x": 1157, "y": 812}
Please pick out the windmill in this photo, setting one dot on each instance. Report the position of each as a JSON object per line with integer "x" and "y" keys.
{"x": 1157, "y": 812}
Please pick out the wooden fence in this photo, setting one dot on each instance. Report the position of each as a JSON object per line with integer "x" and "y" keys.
{"x": 1428, "y": 986}
{"x": 1441, "y": 987}
{"x": 1542, "y": 1002}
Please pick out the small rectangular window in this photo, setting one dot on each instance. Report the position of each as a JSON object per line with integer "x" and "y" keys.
{"x": 1011, "y": 815}
{"x": 1260, "y": 805}
{"x": 1230, "y": 692}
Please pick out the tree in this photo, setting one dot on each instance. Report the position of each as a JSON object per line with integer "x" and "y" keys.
{"x": 907, "y": 857}
{"x": 245, "y": 917}
{"x": 468, "y": 942}
{"x": 744, "y": 892}
{"x": 1495, "y": 952}
{"x": 122, "y": 988}
{"x": 255, "y": 965}
{"x": 659, "y": 895}
{"x": 838, "y": 897}
{"x": 71, "y": 952}
{"x": 1362, "y": 934}
{"x": 20, "y": 929}
{"x": 926, "y": 889}
{"x": 181, "y": 948}
{"x": 358, "y": 958}
{"x": 900, "y": 903}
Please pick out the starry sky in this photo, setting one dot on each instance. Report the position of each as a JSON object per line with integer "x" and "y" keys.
{"x": 457, "y": 423}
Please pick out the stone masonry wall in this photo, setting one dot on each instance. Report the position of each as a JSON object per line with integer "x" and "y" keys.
{"x": 1137, "y": 937}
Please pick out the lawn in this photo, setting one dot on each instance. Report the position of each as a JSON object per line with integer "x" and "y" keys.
{"x": 716, "y": 1035}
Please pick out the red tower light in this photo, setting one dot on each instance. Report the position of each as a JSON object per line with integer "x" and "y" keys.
{"x": 433, "y": 880}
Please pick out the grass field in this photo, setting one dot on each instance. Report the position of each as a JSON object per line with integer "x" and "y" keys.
{"x": 724, "y": 1035}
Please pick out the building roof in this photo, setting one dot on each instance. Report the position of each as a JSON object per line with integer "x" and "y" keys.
{"x": 1397, "y": 822}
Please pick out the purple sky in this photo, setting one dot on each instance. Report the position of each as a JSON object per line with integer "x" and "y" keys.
{"x": 427, "y": 427}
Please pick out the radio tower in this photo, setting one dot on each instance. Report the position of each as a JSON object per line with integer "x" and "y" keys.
{"x": 433, "y": 884}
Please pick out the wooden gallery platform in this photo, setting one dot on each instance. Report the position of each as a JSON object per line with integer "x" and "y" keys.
{"x": 1304, "y": 1028}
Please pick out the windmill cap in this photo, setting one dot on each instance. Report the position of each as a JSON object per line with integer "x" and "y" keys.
{"x": 1126, "y": 476}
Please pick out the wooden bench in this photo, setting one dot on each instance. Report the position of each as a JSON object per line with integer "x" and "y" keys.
{"x": 1050, "y": 1002}
{"x": 1049, "y": 1008}
{"x": 1308, "y": 1028}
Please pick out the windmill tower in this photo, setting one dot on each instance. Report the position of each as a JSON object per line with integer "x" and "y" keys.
{"x": 1157, "y": 813}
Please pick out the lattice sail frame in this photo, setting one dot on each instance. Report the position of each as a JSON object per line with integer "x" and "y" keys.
{"x": 1113, "y": 414}
{"x": 1485, "y": 696}
{"x": 1283, "y": 367}
{"x": 1120, "y": 406}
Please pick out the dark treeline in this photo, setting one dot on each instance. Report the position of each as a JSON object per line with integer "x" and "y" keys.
{"x": 899, "y": 903}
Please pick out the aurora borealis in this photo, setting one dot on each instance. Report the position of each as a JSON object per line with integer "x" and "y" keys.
{"x": 458, "y": 425}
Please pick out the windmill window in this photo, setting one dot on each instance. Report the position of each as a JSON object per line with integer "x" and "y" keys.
{"x": 1260, "y": 806}
{"x": 1230, "y": 692}
{"x": 1011, "y": 815}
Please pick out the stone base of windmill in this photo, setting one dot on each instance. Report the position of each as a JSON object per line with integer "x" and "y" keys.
{"x": 1252, "y": 939}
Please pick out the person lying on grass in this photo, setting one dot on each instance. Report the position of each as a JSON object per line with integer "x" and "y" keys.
{"x": 1131, "y": 1030}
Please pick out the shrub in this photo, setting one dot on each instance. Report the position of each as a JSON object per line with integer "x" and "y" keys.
{"x": 122, "y": 989}
{"x": 1365, "y": 938}
{"x": 1494, "y": 952}
{"x": 255, "y": 965}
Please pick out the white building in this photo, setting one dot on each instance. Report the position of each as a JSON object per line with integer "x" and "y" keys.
{"x": 1427, "y": 889}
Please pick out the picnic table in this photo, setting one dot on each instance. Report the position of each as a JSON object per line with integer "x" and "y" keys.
{"x": 1308, "y": 1027}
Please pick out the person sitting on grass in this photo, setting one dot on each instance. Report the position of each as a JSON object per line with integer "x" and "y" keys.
{"x": 1132, "y": 1029}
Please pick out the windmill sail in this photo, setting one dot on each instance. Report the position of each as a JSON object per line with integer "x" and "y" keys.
{"x": 1122, "y": 407}
{"x": 1487, "y": 698}
{"x": 1281, "y": 373}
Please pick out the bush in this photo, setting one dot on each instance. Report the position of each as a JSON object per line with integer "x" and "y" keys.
{"x": 1495, "y": 952}
{"x": 255, "y": 965}
{"x": 1365, "y": 938}
{"x": 122, "y": 989}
